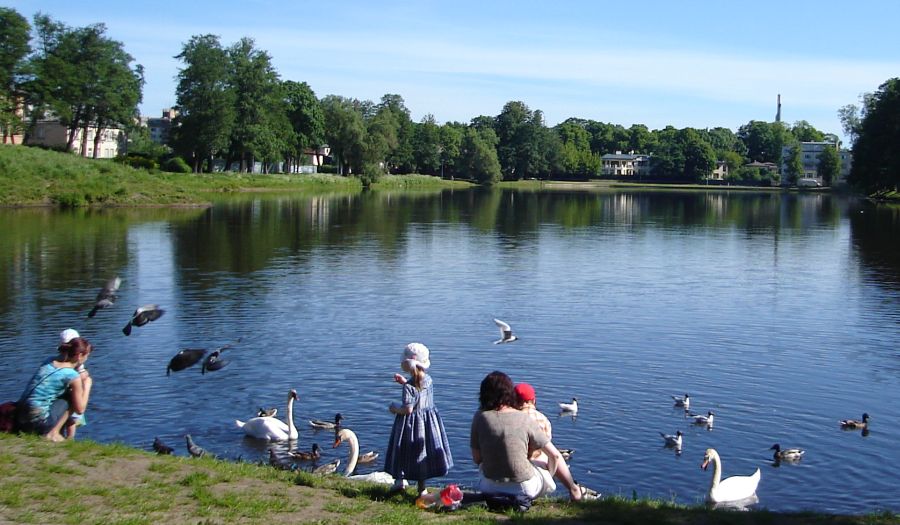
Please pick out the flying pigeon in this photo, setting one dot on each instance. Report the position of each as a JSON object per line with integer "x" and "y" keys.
{"x": 142, "y": 316}
{"x": 185, "y": 359}
{"x": 106, "y": 296}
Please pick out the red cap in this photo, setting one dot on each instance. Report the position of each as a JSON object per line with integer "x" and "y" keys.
{"x": 525, "y": 392}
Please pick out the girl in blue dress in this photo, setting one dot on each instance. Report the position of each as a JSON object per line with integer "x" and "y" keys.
{"x": 418, "y": 448}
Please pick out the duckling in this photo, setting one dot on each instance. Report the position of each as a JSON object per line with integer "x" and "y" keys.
{"x": 311, "y": 455}
{"x": 855, "y": 424}
{"x": 786, "y": 454}
{"x": 700, "y": 419}
{"x": 327, "y": 425}
{"x": 682, "y": 401}
{"x": 673, "y": 440}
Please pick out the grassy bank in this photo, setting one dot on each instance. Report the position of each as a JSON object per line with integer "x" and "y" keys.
{"x": 85, "y": 482}
{"x": 35, "y": 177}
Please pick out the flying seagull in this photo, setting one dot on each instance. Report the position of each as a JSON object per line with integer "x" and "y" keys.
{"x": 106, "y": 296}
{"x": 142, "y": 316}
{"x": 185, "y": 359}
{"x": 506, "y": 335}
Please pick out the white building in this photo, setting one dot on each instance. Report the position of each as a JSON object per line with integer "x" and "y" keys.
{"x": 620, "y": 164}
{"x": 809, "y": 156}
{"x": 52, "y": 134}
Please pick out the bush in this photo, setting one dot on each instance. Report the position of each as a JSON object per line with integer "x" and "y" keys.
{"x": 327, "y": 168}
{"x": 177, "y": 165}
{"x": 371, "y": 172}
{"x": 138, "y": 161}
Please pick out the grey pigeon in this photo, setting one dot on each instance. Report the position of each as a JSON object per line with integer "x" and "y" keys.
{"x": 142, "y": 316}
{"x": 193, "y": 449}
{"x": 185, "y": 359}
{"x": 106, "y": 296}
{"x": 160, "y": 447}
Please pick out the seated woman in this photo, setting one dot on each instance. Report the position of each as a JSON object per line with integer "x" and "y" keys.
{"x": 57, "y": 395}
{"x": 502, "y": 440}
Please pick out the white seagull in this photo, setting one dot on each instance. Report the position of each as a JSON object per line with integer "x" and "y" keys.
{"x": 570, "y": 407}
{"x": 672, "y": 440}
{"x": 506, "y": 335}
{"x": 682, "y": 401}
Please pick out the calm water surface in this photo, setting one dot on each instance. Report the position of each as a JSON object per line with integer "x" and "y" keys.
{"x": 779, "y": 312}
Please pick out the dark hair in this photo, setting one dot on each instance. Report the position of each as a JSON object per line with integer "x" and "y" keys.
{"x": 497, "y": 390}
{"x": 75, "y": 348}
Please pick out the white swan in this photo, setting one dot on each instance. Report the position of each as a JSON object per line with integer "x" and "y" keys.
{"x": 271, "y": 428}
{"x": 345, "y": 434}
{"x": 734, "y": 488}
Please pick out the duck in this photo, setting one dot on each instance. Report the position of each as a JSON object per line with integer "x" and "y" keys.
{"x": 855, "y": 424}
{"x": 142, "y": 316}
{"x": 185, "y": 359}
{"x": 673, "y": 440}
{"x": 506, "y": 335}
{"x": 279, "y": 463}
{"x": 700, "y": 419}
{"x": 106, "y": 297}
{"x": 327, "y": 468}
{"x": 345, "y": 435}
{"x": 270, "y": 428}
{"x": 367, "y": 457}
{"x": 570, "y": 407}
{"x": 312, "y": 454}
{"x": 786, "y": 454}
{"x": 734, "y": 488}
{"x": 327, "y": 425}
{"x": 682, "y": 401}
{"x": 267, "y": 412}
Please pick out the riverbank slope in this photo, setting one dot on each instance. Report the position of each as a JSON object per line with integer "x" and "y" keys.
{"x": 86, "y": 482}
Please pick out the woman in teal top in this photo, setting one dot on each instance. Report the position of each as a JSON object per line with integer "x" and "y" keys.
{"x": 58, "y": 391}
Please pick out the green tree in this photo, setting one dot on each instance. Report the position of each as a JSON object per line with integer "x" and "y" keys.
{"x": 401, "y": 157}
{"x": 805, "y": 132}
{"x": 204, "y": 101}
{"x": 794, "y": 164}
{"x": 576, "y": 155}
{"x": 307, "y": 121}
{"x": 345, "y": 131}
{"x": 850, "y": 121}
{"x": 829, "y": 166}
{"x": 876, "y": 158}
{"x": 452, "y": 135}
{"x": 427, "y": 147}
{"x": 763, "y": 140}
{"x": 640, "y": 139}
{"x": 478, "y": 156}
{"x": 14, "y": 37}
{"x": 114, "y": 101}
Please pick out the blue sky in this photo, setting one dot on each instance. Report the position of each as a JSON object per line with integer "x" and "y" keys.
{"x": 688, "y": 63}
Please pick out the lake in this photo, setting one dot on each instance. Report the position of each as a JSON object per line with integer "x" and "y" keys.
{"x": 780, "y": 312}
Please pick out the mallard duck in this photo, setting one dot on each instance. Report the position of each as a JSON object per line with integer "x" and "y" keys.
{"x": 346, "y": 435}
{"x": 312, "y": 454}
{"x": 367, "y": 457}
{"x": 327, "y": 425}
{"x": 700, "y": 419}
{"x": 786, "y": 454}
{"x": 106, "y": 296}
{"x": 506, "y": 335}
{"x": 735, "y": 488}
{"x": 673, "y": 440}
{"x": 682, "y": 401}
{"x": 142, "y": 316}
{"x": 267, "y": 412}
{"x": 327, "y": 468}
{"x": 569, "y": 407}
{"x": 271, "y": 428}
{"x": 853, "y": 424}
{"x": 280, "y": 463}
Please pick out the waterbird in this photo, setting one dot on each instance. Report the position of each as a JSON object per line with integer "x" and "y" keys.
{"x": 161, "y": 448}
{"x": 267, "y": 412}
{"x": 682, "y": 401}
{"x": 786, "y": 454}
{"x": 185, "y": 359}
{"x": 327, "y": 468}
{"x": 143, "y": 315}
{"x": 213, "y": 362}
{"x": 327, "y": 425}
{"x": 312, "y": 454}
{"x": 566, "y": 453}
{"x": 734, "y": 488}
{"x": 279, "y": 463}
{"x": 570, "y": 407}
{"x": 700, "y": 419}
{"x": 673, "y": 440}
{"x": 345, "y": 435}
{"x": 106, "y": 297}
{"x": 271, "y": 428}
{"x": 853, "y": 424}
{"x": 506, "y": 335}
{"x": 193, "y": 449}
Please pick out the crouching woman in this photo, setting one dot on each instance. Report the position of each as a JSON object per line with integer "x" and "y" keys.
{"x": 502, "y": 440}
{"x": 57, "y": 395}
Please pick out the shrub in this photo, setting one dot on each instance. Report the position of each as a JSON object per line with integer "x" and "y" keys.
{"x": 140, "y": 162}
{"x": 327, "y": 168}
{"x": 177, "y": 165}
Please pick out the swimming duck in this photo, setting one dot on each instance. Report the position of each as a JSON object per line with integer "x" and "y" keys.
{"x": 570, "y": 407}
{"x": 142, "y": 316}
{"x": 506, "y": 335}
{"x": 735, "y": 488}
{"x": 853, "y": 424}
{"x": 673, "y": 440}
{"x": 700, "y": 419}
{"x": 106, "y": 296}
{"x": 367, "y": 457}
{"x": 267, "y": 412}
{"x": 327, "y": 425}
{"x": 271, "y": 428}
{"x": 345, "y": 435}
{"x": 327, "y": 468}
{"x": 786, "y": 454}
{"x": 312, "y": 454}
{"x": 682, "y": 401}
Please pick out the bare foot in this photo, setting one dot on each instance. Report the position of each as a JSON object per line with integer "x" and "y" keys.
{"x": 54, "y": 437}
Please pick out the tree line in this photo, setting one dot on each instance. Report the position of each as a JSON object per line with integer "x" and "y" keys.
{"x": 233, "y": 106}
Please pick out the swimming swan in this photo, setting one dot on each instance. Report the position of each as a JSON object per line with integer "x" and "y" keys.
{"x": 734, "y": 488}
{"x": 347, "y": 435}
{"x": 271, "y": 428}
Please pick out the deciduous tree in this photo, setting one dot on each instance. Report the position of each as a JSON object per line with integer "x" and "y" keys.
{"x": 876, "y": 157}
{"x": 14, "y": 47}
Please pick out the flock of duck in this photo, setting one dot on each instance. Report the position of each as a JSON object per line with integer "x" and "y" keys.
{"x": 738, "y": 490}
{"x": 267, "y": 427}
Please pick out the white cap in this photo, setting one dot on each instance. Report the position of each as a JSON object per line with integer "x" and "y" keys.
{"x": 67, "y": 335}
